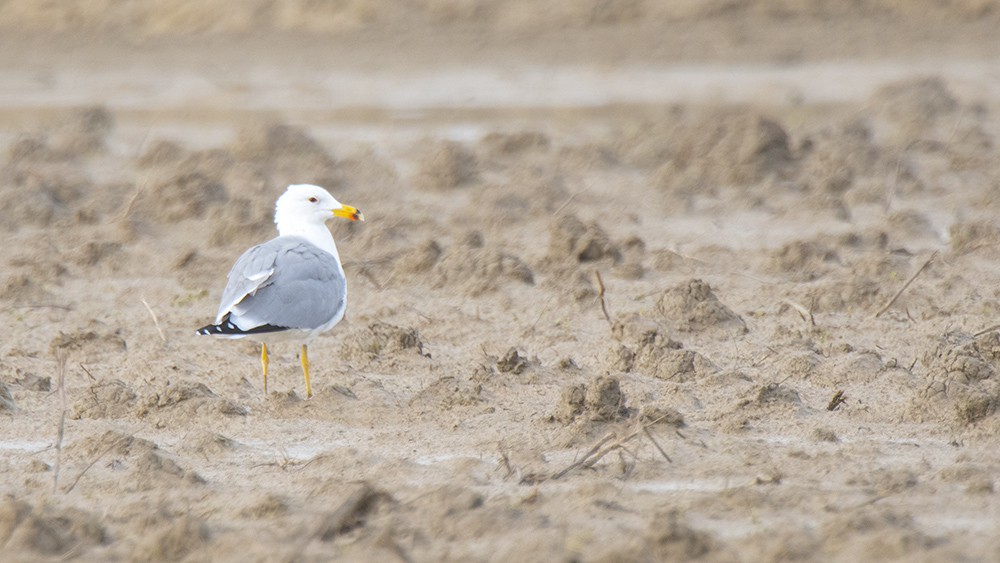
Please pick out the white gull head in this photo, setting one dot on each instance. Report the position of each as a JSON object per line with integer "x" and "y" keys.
{"x": 304, "y": 208}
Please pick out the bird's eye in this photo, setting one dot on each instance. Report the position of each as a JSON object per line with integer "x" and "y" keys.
{"x": 313, "y": 200}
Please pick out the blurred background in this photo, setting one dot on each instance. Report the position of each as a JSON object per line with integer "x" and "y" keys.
{"x": 410, "y": 64}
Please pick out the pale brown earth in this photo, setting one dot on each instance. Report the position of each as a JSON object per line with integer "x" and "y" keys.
{"x": 753, "y": 181}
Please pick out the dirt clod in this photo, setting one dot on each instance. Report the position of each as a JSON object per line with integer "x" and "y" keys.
{"x": 352, "y": 511}
{"x": 6, "y": 399}
{"x": 601, "y": 399}
{"x": 653, "y": 414}
{"x": 692, "y": 306}
{"x": 512, "y": 362}
{"x": 447, "y": 166}
{"x": 105, "y": 399}
{"x": 571, "y": 239}
{"x": 380, "y": 340}
{"x": 670, "y": 538}
{"x": 173, "y": 541}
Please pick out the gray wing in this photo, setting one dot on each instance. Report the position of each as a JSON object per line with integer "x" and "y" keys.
{"x": 285, "y": 282}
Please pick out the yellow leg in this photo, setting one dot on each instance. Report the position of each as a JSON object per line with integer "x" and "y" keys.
{"x": 263, "y": 362}
{"x": 305, "y": 371}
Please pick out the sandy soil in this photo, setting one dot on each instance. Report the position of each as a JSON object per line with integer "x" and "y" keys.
{"x": 622, "y": 294}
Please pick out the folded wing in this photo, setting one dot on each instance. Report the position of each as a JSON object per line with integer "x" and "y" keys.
{"x": 286, "y": 282}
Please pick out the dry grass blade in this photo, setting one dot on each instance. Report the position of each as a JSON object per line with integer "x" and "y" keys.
{"x": 563, "y": 206}
{"x": 603, "y": 448}
{"x": 604, "y": 451}
{"x": 645, "y": 430}
{"x": 61, "y": 389}
{"x": 38, "y": 306}
{"x": 102, "y": 453}
{"x": 505, "y": 462}
{"x": 128, "y": 206}
{"x": 156, "y": 321}
{"x": 600, "y": 284}
{"x": 985, "y": 330}
{"x": 806, "y": 314}
{"x": 905, "y": 285}
{"x": 591, "y": 453}
{"x": 87, "y": 371}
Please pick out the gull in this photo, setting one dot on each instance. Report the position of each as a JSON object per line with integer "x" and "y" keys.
{"x": 291, "y": 287}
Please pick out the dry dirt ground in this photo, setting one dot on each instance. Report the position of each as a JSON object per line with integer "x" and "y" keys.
{"x": 650, "y": 327}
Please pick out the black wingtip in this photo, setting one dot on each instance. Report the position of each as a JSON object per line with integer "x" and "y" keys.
{"x": 226, "y": 328}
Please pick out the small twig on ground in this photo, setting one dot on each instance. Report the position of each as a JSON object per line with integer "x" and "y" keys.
{"x": 838, "y": 399}
{"x": 872, "y": 500}
{"x": 645, "y": 430}
{"x": 593, "y": 452}
{"x": 985, "y": 330}
{"x": 156, "y": 321}
{"x": 38, "y": 306}
{"x": 905, "y": 285}
{"x": 745, "y": 275}
{"x": 87, "y": 371}
{"x": 417, "y": 311}
{"x": 806, "y": 314}
{"x": 128, "y": 206}
{"x": 600, "y": 284}
{"x": 505, "y": 462}
{"x": 563, "y": 206}
{"x": 61, "y": 388}
{"x": 312, "y": 459}
{"x": 890, "y": 192}
{"x": 103, "y": 453}
{"x": 540, "y": 315}
{"x": 283, "y": 464}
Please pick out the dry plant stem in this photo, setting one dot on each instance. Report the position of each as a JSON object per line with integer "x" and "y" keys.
{"x": 600, "y": 455}
{"x": 91, "y": 464}
{"x": 602, "y": 448}
{"x": 905, "y": 285}
{"x": 645, "y": 430}
{"x": 61, "y": 389}
{"x": 985, "y": 330}
{"x": 803, "y": 312}
{"x": 156, "y": 321}
{"x": 505, "y": 461}
{"x": 38, "y": 306}
{"x": 128, "y": 206}
{"x": 600, "y": 284}
{"x": 563, "y": 206}
{"x": 890, "y": 192}
{"x": 540, "y": 315}
{"x": 87, "y": 371}
{"x": 607, "y": 438}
